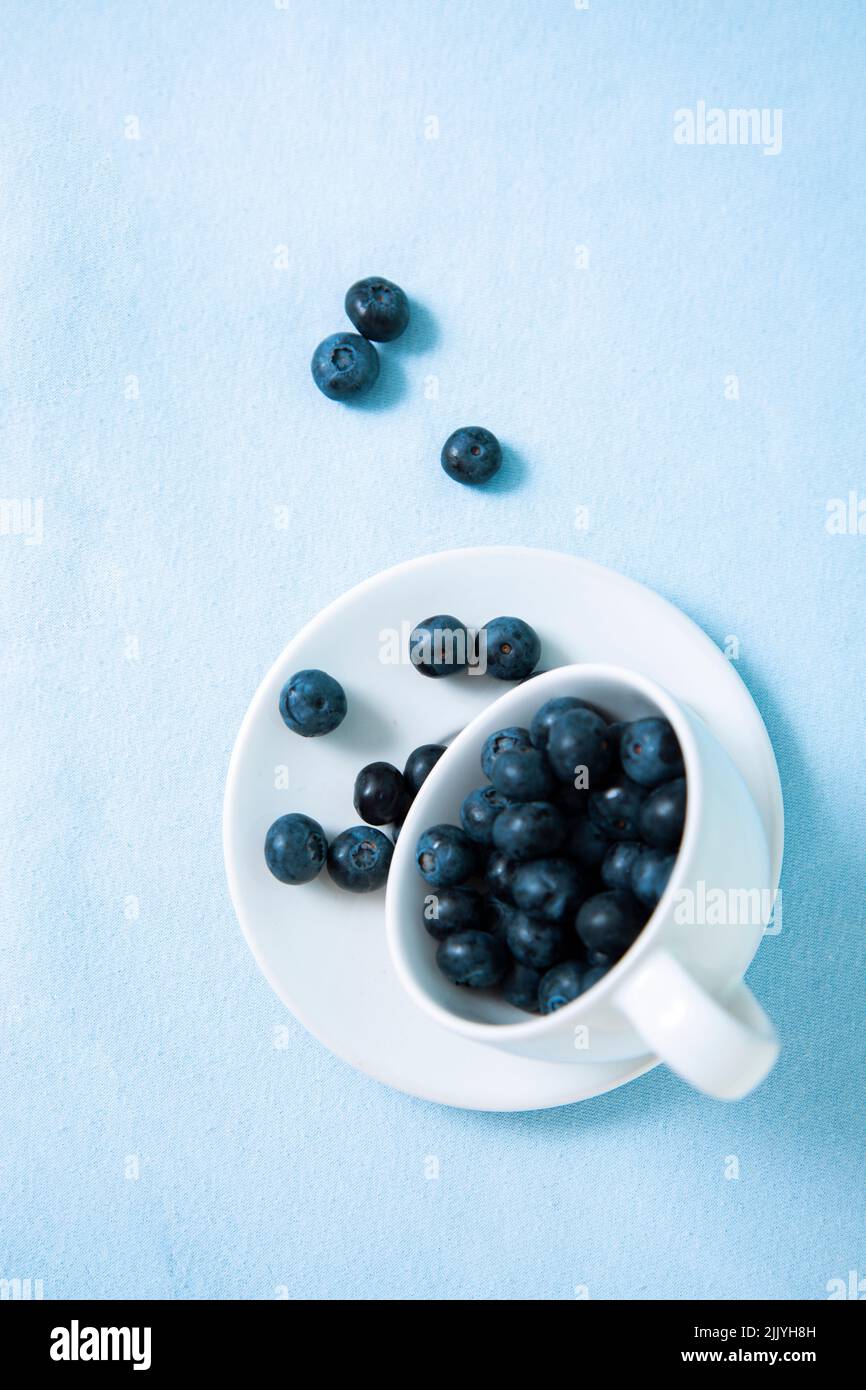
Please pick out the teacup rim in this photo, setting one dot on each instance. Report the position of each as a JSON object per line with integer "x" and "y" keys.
{"x": 403, "y": 862}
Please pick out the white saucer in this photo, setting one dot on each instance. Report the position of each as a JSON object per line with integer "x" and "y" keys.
{"x": 324, "y": 951}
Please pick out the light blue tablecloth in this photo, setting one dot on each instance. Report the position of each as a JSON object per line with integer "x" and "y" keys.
{"x": 187, "y": 191}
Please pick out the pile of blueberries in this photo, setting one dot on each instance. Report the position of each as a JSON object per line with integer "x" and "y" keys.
{"x": 560, "y": 858}
{"x": 346, "y": 365}
{"x": 312, "y": 704}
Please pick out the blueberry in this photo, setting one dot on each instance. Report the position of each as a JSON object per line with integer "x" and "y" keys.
{"x": 609, "y": 922}
{"x": 512, "y": 648}
{"x": 499, "y": 874}
{"x": 529, "y": 829}
{"x": 578, "y": 739}
{"x": 420, "y": 764}
{"x": 650, "y": 874}
{"x": 454, "y": 909}
{"x": 471, "y": 455}
{"x": 616, "y": 809}
{"x": 600, "y": 958}
{"x": 551, "y": 889}
{"x": 359, "y": 859}
{"x": 439, "y": 646}
{"x": 592, "y": 976}
{"x": 649, "y": 752}
{"x": 541, "y": 725}
{"x": 377, "y": 308}
{"x": 312, "y": 703}
{"x": 614, "y": 735}
{"x": 520, "y": 987}
{"x": 344, "y": 365}
{"x": 295, "y": 848}
{"x": 560, "y": 986}
{"x": 478, "y": 812}
{"x": 381, "y": 796}
{"x": 473, "y": 958}
{"x": 446, "y": 856}
{"x": 524, "y": 775}
{"x": 503, "y": 741}
{"x": 534, "y": 943}
{"x": 573, "y": 800}
{"x": 499, "y": 914}
{"x": 663, "y": 815}
{"x": 617, "y": 864}
{"x": 586, "y": 844}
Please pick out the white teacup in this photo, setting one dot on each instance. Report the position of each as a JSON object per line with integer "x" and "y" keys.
{"x": 678, "y": 991}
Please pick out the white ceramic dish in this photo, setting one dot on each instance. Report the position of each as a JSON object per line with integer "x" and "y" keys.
{"x": 678, "y": 990}
{"x": 325, "y": 953}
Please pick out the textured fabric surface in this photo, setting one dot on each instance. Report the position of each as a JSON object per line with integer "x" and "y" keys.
{"x": 188, "y": 189}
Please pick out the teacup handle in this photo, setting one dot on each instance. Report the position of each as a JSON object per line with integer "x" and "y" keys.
{"x": 723, "y": 1049}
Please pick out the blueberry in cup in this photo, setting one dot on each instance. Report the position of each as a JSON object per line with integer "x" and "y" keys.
{"x": 523, "y": 774}
{"x": 545, "y": 718}
{"x": 649, "y": 752}
{"x": 663, "y": 814}
{"x": 578, "y": 739}
{"x": 549, "y": 889}
{"x": 473, "y": 958}
{"x": 512, "y": 740}
{"x": 560, "y": 874}
{"x": 529, "y": 829}
{"x": 560, "y": 986}
{"x": 479, "y": 812}
{"x": 451, "y": 910}
{"x": 446, "y": 856}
